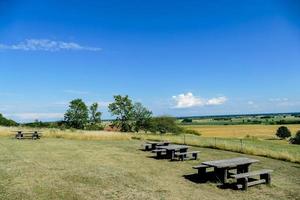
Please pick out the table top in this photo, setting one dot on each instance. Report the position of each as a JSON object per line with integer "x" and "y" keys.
{"x": 230, "y": 162}
{"x": 157, "y": 142}
{"x": 173, "y": 147}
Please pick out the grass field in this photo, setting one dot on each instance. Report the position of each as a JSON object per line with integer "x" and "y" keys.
{"x": 73, "y": 169}
{"x": 240, "y": 131}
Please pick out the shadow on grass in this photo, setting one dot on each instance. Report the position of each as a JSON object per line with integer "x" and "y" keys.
{"x": 157, "y": 158}
{"x": 210, "y": 177}
{"x": 196, "y": 178}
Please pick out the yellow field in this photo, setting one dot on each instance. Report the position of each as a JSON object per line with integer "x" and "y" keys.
{"x": 240, "y": 131}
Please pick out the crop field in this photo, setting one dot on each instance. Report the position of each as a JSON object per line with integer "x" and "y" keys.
{"x": 53, "y": 168}
{"x": 240, "y": 131}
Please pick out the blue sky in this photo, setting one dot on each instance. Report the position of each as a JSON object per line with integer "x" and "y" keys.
{"x": 176, "y": 57}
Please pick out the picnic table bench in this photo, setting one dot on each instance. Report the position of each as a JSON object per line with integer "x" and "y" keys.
{"x": 28, "y": 135}
{"x": 187, "y": 155}
{"x": 170, "y": 150}
{"x": 222, "y": 170}
{"x": 151, "y": 145}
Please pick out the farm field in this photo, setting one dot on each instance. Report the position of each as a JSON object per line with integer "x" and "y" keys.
{"x": 240, "y": 131}
{"x": 74, "y": 169}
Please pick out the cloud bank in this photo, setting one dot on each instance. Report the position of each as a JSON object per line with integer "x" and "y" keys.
{"x": 34, "y": 116}
{"x": 188, "y": 100}
{"x": 47, "y": 45}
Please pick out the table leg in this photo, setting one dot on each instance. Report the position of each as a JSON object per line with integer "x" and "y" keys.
{"x": 221, "y": 174}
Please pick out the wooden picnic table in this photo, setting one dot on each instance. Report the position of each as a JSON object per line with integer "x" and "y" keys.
{"x": 28, "y": 135}
{"x": 154, "y": 144}
{"x": 171, "y": 149}
{"x": 221, "y": 167}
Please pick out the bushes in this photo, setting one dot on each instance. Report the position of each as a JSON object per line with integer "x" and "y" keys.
{"x": 192, "y": 132}
{"x": 296, "y": 139}
{"x": 187, "y": 120}
{"x": 164, "y": 124}
{"x": 7, "y": 122}
{"x": 94, "y": 127}
{"x": 283, "y": 132}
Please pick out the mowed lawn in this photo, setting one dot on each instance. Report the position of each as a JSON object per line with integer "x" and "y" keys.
{"x": 73, "y": 169}
{"x": 240, "y": 131}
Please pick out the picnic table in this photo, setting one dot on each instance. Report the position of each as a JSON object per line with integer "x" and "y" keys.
{"x": 171, "y": 149}
{"x": 222, "y": 167}
{"x": 154, "y": 144}
{"x": 28, "y": 135}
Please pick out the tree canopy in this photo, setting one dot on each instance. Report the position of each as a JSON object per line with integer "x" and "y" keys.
{"x": 77, "y": 114}
{"x": 122, "y": 108}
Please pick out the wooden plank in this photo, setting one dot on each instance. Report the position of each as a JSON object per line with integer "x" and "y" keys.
{"x": 252, "y": 183}
{"x": 201, "y": 166}
{"x": 253, "y": 173}
{"x": 230, "y": 162}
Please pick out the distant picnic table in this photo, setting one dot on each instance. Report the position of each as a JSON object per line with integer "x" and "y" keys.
{"x": 171, "y": 149}
{"x": 28, "y": 135}
{"x": 151, "y": 145}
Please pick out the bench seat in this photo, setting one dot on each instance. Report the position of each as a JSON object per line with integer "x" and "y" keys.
{"x": 185, "y": 155}
{"x": 243, "y": 182}
{"x": 201, "y": 169}
{"x": 158, "y": 150}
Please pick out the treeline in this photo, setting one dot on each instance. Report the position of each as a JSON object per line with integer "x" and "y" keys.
{"x": 7, "y": 122}
{"x": 129, "y": 117}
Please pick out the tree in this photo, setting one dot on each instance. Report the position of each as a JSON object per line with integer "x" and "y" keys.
{"x": 165, "y": 124}
{"x": 283, "y": 132}
{"x": 7, "y": 122}
{"x": 142, "y": 117}
{"x": 77, "y": 114}
{"x": 296, "y": 139}
{"x": 122, "y": 108}
{"x": 95, "y": 116}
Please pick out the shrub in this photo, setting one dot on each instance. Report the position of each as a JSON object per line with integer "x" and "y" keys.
{"x": 164, "y": 124}
{"x": 94, "y": 127}
{"x": 187, "y": 120}
{"x": 296, "y": 139}
{"x": 283, "y": 132}
{"x": 192, "y": 132}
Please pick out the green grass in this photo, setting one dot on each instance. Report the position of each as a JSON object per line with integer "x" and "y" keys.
{"x": 73, "y": 169}
{"x": 276, "y": 149}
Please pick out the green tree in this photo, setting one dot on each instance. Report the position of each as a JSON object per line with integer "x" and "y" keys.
{"x": 165, "y": 124}
{"x": 77, "y": 114}
{"x": 142, "y": 117}
{"x": 283, "y": 132}
{"x": 95, "y": 115}
{"x": 122, "y": 108}
{"x": 296, "y": 139}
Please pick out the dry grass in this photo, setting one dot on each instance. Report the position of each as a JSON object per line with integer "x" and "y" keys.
{"x": 52, "y": 168}
{"x": 239, "y": 131}
{"x": 276, "y": 149}
{"x": 70, "y": 134}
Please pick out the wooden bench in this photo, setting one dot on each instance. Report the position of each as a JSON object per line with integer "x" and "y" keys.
{"x": 201, "y": 169}
{"x": 159, "y": 152}
{"x": 31, "y": 135}
{"x": 147, "y": 147}
{"x": 243, "y": 182}
{"x": 186, "y": 155}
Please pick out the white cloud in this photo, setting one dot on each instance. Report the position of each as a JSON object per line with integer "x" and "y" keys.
{"x": 34, "y": 116}
{"x": 278, "y": 99}
{"x": 216, "y": 101}
{"x": 188, "y": 100}
{"x": 46, "y": 45}
{"x": 250, "y": 102}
